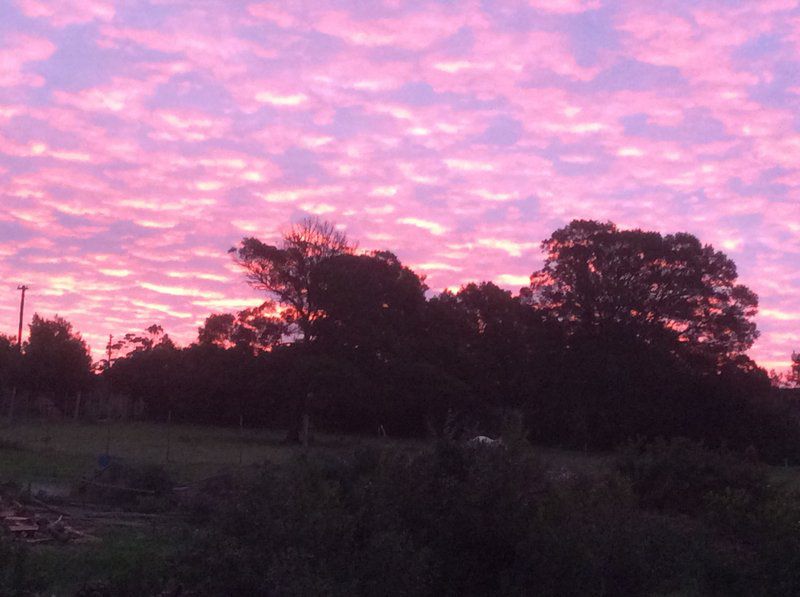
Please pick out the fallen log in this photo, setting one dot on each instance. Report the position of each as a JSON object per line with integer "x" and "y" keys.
{"x": 23, "y": 528}
{"x": 118, "y": 487}
{"x": 48, "y": 507}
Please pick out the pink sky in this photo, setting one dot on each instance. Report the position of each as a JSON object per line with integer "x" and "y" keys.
{"x": 140, "y": 140}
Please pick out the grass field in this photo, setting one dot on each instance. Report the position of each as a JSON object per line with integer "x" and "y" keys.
{"x": 53, "y": 456}
{"x": 58, "y": 452}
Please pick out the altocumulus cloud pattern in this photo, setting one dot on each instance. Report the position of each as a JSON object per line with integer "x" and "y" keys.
{"x": 140, "y": 140}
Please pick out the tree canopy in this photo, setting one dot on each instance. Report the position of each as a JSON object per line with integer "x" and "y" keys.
{"x": 255, "y": 329}
{"x": 57, "y": 360}
{"x": 596, "y": 275}
{"x": 367, "y": 303}
{"x": 794, "y": 370}
{"x": 284, "y": 271}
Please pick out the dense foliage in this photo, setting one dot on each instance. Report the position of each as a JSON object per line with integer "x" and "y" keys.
{"x": 659, "y": 287}
{"x": 479, "y": 520}
{"x": 665, "y": 518}
{"x": 54, "y": 365}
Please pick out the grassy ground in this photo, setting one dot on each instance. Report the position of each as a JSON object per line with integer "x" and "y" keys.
{"x": 124, "y": 557}
{"x": 56, "y": 454}
{"x": 41, "y": 452}
{"x": 49, "y": 452}
{"x": 53, "y": 456}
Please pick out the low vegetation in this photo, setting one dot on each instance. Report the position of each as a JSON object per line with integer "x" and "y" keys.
{"x": 477, "y": 520}
{"x": 450, "y": 518}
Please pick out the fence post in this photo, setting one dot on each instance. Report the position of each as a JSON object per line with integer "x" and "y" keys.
{"x": 241, "y": 437}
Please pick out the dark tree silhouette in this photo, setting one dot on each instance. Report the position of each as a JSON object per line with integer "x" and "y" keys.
{"x": 259, "y": 328}
{"x": 10, "y": 370}
{"x": 144, "y": 341}
{"x": 57, "y": 360}
{"x": 656, "y": 329}
{"x": 371, "y": 326}
{"x": 284, "y": 272}
{"x": 495, "y": 329}
{"x": 217, "y": 330}
{"x": 147, "y": 370}
{"x": 793, "y": 376}
{"x": 596, "y": 275}
{"x": 7, "y": 349}
{"x": 621, "y": 334}
{"x": 255, "y": 330}
{"x": 368, "y": 304}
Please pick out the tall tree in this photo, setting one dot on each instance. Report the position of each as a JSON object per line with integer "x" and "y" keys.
{"x": 495, "y": 331}
{"x": 10, "y": 365}
{"x": 57, "y": 359}
{"x": 284, "y": 271}
{"x": 145, "y": 341}
{"x": 369, "y": 304}
{"x": 793, "y": 376}
{"x": 146, "y": 371}
{"x": 660, "y": 286}
{"x": 371, "y": 310}
{"x": 217, "y": 330}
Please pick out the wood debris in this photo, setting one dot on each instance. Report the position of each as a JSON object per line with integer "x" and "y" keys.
{"x": 38, "y": 523}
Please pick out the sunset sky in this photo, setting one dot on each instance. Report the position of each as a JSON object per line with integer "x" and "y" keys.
{"x": 140, "y": 140}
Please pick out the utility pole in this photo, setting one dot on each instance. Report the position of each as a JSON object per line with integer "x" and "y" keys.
{"x": 110, "y": 340}
{"x": 23, "y": 288}
{"x": 13, "y": 399}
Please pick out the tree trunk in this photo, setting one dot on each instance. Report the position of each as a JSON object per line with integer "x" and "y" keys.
{"x": 77, "y": 405}
{"x": 295, "y": 433}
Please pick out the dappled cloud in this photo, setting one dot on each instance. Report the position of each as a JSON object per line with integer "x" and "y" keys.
{"x": 140, "y": 140}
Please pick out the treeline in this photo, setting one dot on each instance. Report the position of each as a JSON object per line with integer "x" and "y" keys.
{"x": 622, "y": 334}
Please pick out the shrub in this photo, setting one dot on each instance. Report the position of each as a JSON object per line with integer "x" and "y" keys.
{"x": 457, "y": 520}
{"x": 684, "y": 476}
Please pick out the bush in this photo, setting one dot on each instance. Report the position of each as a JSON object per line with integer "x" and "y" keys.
{"x": 684, "y": 476}
{"x": 458, "y": 520}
